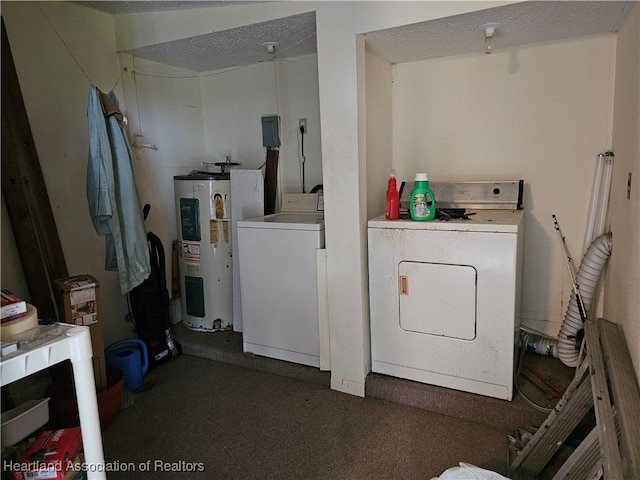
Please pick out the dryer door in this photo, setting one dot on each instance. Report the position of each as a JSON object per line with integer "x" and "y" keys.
{"x": 438, "y": 299}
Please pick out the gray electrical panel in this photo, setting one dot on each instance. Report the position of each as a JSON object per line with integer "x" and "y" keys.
{"x": 270, "y": 131}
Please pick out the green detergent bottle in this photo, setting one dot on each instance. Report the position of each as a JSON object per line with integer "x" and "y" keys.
{"x": 422, "y": 204}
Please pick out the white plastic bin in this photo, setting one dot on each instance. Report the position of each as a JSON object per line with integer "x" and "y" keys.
{"x": 22, "y": 421}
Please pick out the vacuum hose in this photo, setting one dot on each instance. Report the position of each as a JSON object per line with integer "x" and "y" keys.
{"x": 587, "y": 278}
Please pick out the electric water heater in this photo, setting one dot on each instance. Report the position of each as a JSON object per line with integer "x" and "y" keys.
{"x": 203, "y": 212}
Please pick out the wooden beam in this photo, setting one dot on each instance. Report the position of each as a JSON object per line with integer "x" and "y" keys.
{"x": 625, "y": 392}
{"x": 608, "y": 440}
{"x": 25, "y": 195}
{"x": 612, "y": 449}
{"x": 572, "y": 407}
{"x": 271, "y": 181}
{"x": 585, "y": 462}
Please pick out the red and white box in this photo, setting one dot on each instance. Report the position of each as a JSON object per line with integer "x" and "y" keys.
{"x": 50, "y": 456}
{"x": 12, "y": 306}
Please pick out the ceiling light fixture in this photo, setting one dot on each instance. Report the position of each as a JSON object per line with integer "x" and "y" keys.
{"x": 489, "y": 39}
{"x": 271, "y": 47}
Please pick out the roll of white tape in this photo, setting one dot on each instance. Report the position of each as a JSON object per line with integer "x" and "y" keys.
{"x": 19, "y": 325}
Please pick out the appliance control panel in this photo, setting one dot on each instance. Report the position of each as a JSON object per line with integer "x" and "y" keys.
{"x": 302, "y": 202}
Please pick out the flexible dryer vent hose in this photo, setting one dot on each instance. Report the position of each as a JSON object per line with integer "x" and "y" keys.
{"x": 587, "y": 278}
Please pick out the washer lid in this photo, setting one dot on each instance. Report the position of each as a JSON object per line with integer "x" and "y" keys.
{"x": 286, "y": 221}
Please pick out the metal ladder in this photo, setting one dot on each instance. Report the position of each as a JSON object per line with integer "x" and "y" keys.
{"x": 604, "y": 379}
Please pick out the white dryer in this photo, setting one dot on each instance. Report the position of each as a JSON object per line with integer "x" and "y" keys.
{"x": 278, "y": 280}
{"x": 445, "y": 299}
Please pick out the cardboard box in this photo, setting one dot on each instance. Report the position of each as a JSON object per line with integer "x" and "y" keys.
{"x": 78, "y": 301}
{"x": 80, "y": 297}
{"x": 49, "y": 455}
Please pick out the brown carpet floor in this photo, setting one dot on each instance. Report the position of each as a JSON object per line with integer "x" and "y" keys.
{"x": 226, "y": 347}
{"x": 239, "y": 423}
{"x": 242, "y": 416}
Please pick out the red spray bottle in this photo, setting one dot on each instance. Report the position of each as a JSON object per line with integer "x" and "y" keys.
{"x": 392, "y": 206}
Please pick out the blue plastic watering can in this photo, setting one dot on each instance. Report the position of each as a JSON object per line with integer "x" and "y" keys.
{"x": 130, "y": 356}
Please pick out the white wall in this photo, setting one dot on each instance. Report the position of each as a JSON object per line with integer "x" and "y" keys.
{"x": 164, "y": 105}
{"x": 379, "y": 132}
{"x": 622, "y": 304}
{"x": 55, "y": 90}
{"x": 539, "y": 113}
{"x": 345, "y": 199}
{"x": 234, "y": 100}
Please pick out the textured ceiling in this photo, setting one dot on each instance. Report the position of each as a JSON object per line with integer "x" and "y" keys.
{"x": 294, "y": 36}
{"x": 517, "y": 24}
{"x": 145, "y": 6}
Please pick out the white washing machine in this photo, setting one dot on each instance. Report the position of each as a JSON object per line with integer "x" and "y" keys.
{"x": 278, "y": 280}
{"x": 445, "y": 299}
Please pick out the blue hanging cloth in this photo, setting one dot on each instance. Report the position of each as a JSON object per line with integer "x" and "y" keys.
{"x": 114, "y": 205}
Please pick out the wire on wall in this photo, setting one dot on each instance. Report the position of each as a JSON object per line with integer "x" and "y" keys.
{"x": 301, "y": 157}
{"x": 281, "y": 159}
{"x": 65, "y": 45}
{"x": 135, "y": 83}
{"x": 125, "y": 69}
{"x": 289, "y": 47}
{"x": 199, "y": 75}
{"x": 75, "y": 59}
